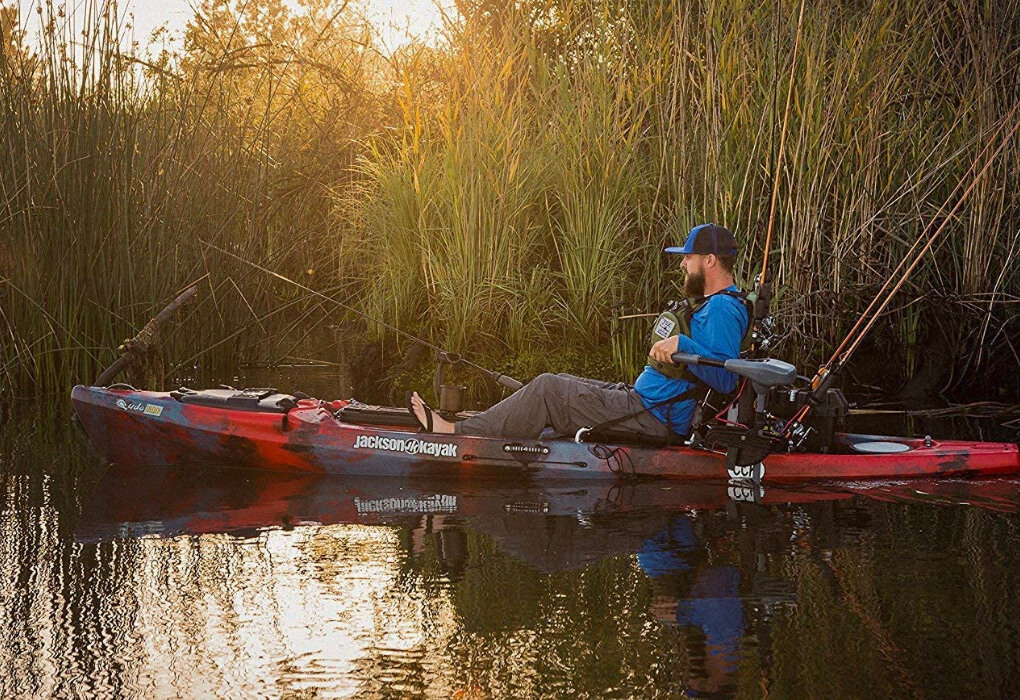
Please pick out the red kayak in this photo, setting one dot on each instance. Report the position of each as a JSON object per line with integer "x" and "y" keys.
{"x": 263, "y": 429}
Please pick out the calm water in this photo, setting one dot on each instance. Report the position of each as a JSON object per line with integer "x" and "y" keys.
{"x": 214, "y": 583}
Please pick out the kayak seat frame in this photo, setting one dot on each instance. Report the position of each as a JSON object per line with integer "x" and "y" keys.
{"x": 623, "y": 437}
{"x": 357, "y": 413}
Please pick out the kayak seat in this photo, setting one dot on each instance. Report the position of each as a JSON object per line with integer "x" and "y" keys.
{"x": 364, "y": 414}
{"x": 258, "y": 400}
{"x": 624, "y": 437}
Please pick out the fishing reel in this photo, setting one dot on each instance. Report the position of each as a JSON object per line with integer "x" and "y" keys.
{"x": 798, "y": 434}
{"x": 763, "y": 334}
{"x": 764, "y": 328}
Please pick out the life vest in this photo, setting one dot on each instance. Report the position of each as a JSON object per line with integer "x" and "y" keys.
{"x": 676, "y": 320}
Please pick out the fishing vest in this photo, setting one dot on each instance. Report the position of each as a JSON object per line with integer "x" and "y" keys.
{"x": 676, "y": 320}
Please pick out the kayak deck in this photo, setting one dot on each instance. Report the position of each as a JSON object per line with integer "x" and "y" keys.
{"x": 129, "y": 426}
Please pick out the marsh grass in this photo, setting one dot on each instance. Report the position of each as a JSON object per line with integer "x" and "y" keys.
{"x": 508, "y": 193}
{"x": 115, "y": 175}
{"x": 578, "y": 138}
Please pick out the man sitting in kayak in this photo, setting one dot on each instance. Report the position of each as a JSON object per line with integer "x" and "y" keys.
{"x": 663, "y": 399}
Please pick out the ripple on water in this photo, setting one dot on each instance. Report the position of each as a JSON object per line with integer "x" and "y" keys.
{"x": 257, "y": 586}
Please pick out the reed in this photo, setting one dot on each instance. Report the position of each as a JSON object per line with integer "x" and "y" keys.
{"x": 507, "y": 193}
{"x": 115, "y": 173}
{"x": 581, "y": 137}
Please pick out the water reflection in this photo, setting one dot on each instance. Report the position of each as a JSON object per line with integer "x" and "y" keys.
{"x": 219, "y": 583}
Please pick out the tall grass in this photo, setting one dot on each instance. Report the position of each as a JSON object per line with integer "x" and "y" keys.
{"x": 115, "y": 173}
{"x": 507, "y": 193}
{"x": 576, "y": 139}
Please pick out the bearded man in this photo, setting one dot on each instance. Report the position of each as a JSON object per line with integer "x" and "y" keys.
{"x": 659, "y": 406}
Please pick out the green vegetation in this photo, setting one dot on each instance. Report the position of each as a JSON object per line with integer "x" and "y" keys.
{"x": 114, "y": 174}
{"x": 507, "y": 193}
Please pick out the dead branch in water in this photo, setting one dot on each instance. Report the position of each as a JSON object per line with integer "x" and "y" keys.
{"x": 142, "y": 353}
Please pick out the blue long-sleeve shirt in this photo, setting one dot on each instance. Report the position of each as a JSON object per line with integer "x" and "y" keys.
{"x": 717, "y": 329}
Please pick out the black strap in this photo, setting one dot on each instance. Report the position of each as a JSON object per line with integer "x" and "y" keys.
{"x": 739, "y": 295}
{"x": 699, "y": 390}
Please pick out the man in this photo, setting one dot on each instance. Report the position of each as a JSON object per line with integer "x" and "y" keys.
{"x": 662, "y": 401}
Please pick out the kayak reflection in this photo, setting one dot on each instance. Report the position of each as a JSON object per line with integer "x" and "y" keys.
{"x": 132, "y": 501}
{"x": 703, "y": 547}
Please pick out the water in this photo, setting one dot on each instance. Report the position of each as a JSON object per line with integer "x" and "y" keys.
{"x": 120, "y": 582}
{"x": 190, "y": 583}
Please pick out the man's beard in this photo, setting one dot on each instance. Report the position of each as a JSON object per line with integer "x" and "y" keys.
{"x": 694, "y": 284}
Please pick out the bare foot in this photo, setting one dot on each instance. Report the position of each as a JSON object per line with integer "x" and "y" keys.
{"x": 439, "y": 424}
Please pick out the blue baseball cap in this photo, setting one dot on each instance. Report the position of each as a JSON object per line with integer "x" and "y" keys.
{"x": 708, "y": 239}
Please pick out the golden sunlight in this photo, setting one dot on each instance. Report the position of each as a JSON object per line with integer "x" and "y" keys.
{"x": 396, "y": 22}
{"x": 400, "y": 21}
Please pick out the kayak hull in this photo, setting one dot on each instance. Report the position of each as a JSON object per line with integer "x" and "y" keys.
{"x": 153, "y": 428}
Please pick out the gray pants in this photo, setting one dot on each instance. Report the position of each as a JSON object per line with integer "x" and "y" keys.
{"x": 564, "y": 403}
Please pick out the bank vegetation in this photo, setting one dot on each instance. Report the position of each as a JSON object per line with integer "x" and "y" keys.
{"x": 505, "y": 191}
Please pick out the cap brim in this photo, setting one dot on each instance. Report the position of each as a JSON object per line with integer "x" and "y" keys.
{"x": 684, "y": 251}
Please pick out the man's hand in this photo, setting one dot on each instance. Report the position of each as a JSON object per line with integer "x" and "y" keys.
{"x": 664, "y": 349}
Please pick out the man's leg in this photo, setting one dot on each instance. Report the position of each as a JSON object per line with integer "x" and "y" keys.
{"x": 565, "y": 404}
{"x": 596, "y": 382}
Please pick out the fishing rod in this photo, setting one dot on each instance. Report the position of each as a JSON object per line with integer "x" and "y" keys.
{"x": 825, "y": 375}
{"x": 782, "y": 153}
{"x": 447, "y": 357}
{"x": 911, "y": 254}
{"x": 762, "y": 325}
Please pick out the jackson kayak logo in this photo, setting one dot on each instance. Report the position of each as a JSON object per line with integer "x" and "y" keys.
{"x": 411, "y": 446}
{"x": 440, "y": 503}
{"x": 148, "y": 408}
